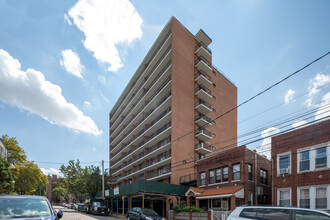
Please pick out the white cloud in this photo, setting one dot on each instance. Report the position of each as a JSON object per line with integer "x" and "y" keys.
{"x": 299, "y": 124}
{"x": 106, "y": 23}
{"x": 67, "y": 19}
{"x": 314, "y": 86}
{"x": 50, "y": 171}
{"x": 87, "y": 103}
{"x": 289, "y": 96}
{"x": 29, "y": 90}
{"x": 94, "y": 148}
{"x": 323, "y": 112}
{"x": 71, "y": 63}
{"x": 265, "y": 148}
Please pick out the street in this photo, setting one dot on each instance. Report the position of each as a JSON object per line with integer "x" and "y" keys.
{"x": 70, "y": 214}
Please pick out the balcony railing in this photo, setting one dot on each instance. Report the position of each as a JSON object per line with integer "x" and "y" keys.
{"x": 203, "y": 145}
{"x": 143, "y": 118}
{"x": 203, "y": 131}
{"x": 201, "y": 102}
{"x": 204, "y": 117}
{"x": 142, "y": 72}
{"x": 143, "y": 95}
{"x": 155, "y": 147}
{"x": 202, "y": 73}
{"x": 188, "y": 178}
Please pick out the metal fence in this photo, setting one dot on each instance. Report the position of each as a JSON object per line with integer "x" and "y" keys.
{"x": 211, "y": 215}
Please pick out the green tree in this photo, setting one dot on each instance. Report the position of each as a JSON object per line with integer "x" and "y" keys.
{"x": 59, "y": 191}
{"x": 74, "y": 178}
{"x": 93, "y": 180}
{"x": 29, "y": 178}
{"x": 6, "y": 177}
{"x": 15, "y": 152}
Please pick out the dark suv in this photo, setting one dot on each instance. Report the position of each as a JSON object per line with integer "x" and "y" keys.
{"x": 143, "y": 213}
{"x": 99, "y": 208}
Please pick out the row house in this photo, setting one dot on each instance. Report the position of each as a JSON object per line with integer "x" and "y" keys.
{"x": 234, "y": 177}
{"x": 301, "y": 164}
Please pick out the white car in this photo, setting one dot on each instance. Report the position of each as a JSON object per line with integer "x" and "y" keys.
{"x": 277, "y": 212}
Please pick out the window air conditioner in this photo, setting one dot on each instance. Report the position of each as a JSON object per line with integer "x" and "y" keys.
{"x": 285, "y": 170}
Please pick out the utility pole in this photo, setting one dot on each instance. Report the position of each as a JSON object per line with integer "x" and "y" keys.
{"x": 103, "y": 179}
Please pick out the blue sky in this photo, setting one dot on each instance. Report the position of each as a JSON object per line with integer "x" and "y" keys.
{"x": 64, "y": 64}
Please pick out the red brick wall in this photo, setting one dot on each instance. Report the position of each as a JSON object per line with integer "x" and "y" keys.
{"x": 293, "y": 141}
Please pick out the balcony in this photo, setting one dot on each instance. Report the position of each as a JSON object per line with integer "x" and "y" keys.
{"x": 165, "y": 173}
{"x": 203, "y": 107}
{"x": 203, "y": 134}
{"x": 145, "y": 68}
{"x": 157, "y": 101}
{"x": 154, "y": 80}
{"x": 203, "y": 53}
{"x": 203, "y": 120}
{"x": 203, "y": 93}
{"x": 203, "y": 38}
{"x": 188, "y": 180}
{"x": 203, "y": 79}
{"x": 202, "y": 66}
{"x": 203, "y": 148}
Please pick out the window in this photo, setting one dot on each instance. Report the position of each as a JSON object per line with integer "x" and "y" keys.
{"x": 321, "y": 198}
{"x": 141, "y": 176}
{"x": 214, "y": 110}
{"x": 225, "y": 174}
{"x": 275, "y": 214}
{"x": 214, "y": 85}
{"x": 284, "y": 164}
{"x": 201, "y": 156}
{"x": 263, "y": 176}
{"x": 304, "y": 161}
{"x": 140, "y": 166}
{"x": 161, "y": 171}
{"x": 214, "y": 98}
{"x": 162, "y": 156}
{"x": 304, "y": 198}
{"x": 249, "y": 213}
{"x": 151, "y": 161}
{"x": 218, "y": 175}
{"x": 221, "y": 174}
{"x": 211, "y": 177}
{"x": 250, "y": 199}
{"x": 249, "y": 171}
{"x": 284, "y": 197}
{"x": 202, "y": 178}
{"x": 321, "y": 157}
{"x": 307, "y": 215}
{"x": 151, "y": 173}
{"x": 236, "y": 171}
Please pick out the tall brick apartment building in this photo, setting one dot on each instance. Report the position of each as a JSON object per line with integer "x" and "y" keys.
{"x": 234, "y": 177}
{"x": 301, "y": 164}
{"x": 162, "y": 122}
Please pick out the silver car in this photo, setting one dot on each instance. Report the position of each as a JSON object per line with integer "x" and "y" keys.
{"x": 276, "y": 212}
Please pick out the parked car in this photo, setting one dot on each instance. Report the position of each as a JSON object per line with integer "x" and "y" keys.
{"x": 27, "y": 207}
{"x": 81, "y": 207}
{"x": 277, "y": 212}
{"x": 99, "y": 208}
{"x": 143, "y": 213}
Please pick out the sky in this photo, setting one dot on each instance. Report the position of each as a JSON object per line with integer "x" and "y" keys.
{"x": 64, "y": 64}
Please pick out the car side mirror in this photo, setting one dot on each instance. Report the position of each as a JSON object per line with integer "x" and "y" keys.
{"x": 59, "y": 214}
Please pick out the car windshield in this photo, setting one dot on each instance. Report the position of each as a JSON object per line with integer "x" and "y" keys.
{"x": 23, "y": 208}
{"x": 149, "y": 212}
{"x": 99, "y": 204}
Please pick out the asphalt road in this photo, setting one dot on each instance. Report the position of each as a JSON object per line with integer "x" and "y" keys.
{"x": 70, "y": 214}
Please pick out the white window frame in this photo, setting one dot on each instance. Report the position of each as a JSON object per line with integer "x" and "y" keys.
{"x": 312, "y": 195}
{"x": 284, "y": 189}
{"x": 278, "y": 162}
{"x": 312, "y": 157}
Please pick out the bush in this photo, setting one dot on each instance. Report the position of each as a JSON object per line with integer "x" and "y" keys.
{"x": 184, "y": 208}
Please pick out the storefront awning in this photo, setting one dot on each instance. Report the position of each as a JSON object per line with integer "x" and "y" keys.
{"x": 222, "y": 192}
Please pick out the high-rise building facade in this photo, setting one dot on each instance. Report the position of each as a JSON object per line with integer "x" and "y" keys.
{"x": 165, "y": 118}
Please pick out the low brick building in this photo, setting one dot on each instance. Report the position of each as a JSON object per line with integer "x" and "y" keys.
{"x": 231, "y": 178}
{"x": 301, "y": 167}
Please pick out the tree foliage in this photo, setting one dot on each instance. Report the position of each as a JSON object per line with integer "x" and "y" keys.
{"x": 59, "y": 191}
{"x": 93, "y": 180}
{"x": 14, "y": 152}
{"x": 74, "y": 178}
{"x": 6, "y": 177}
{"x": 29, "y": 178}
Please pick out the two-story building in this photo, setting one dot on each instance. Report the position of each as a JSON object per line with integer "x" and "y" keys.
{"x": 234, "y": 177}
{"x": 301, "y": 167}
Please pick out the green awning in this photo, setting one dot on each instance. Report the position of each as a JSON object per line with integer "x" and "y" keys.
{"x": 144, "y": 186}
